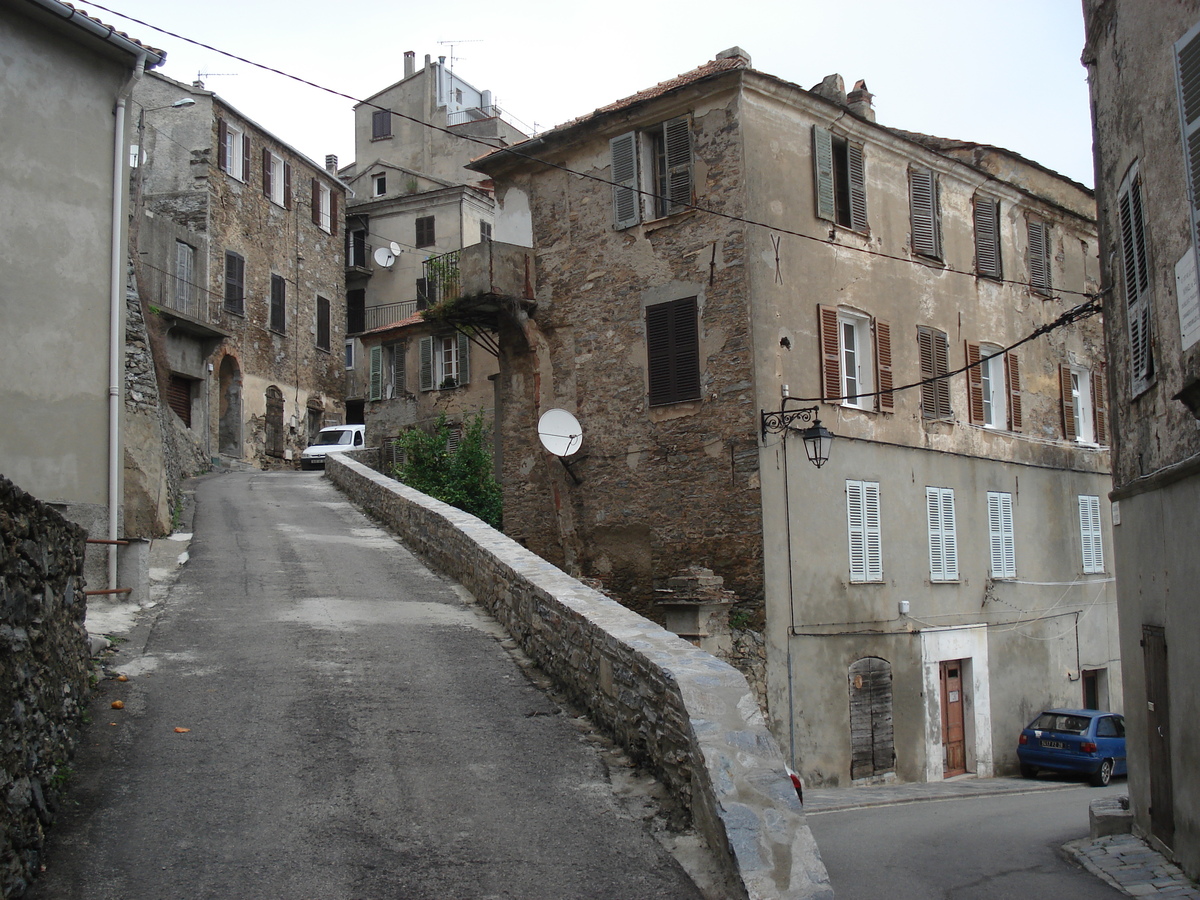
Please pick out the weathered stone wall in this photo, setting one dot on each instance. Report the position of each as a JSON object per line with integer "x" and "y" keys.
{"x": 674, "y": 707}
{"x": 43, "y": 673}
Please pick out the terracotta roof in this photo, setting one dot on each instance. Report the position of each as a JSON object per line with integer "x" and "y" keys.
{"x": 162, "y": 54}
{"x": 415, "y": 319}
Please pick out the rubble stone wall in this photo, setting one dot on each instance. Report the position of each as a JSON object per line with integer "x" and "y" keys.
{"x": 674, "y": 707}
{"x": 43, "y": 673}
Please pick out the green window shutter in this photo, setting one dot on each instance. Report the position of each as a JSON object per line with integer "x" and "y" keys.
{"x": 626, "y": 200}
{"x": 375, "y": 391}
{"x": 823, "y": 173}
{"x": 464, "y": 359}
{"x": 858, "y": 187}
{"x": 923, "y": 207}
{"x": 425, "y": 352}
{"x": 677, "y": 144}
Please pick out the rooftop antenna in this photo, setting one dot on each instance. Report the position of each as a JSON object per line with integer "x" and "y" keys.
{"x": 452, "y": 43}
{"x": 200, "y": 76}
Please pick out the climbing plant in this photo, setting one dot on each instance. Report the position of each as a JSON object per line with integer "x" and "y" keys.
{"x": 462, "y": 477}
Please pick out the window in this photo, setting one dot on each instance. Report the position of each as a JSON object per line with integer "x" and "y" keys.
{"x": 1000, "y": 531}
{"x": 1039, "y": 256}
{"x": 233, "y": 151}
{"x": 349, "y": 354}
{"x": 444, "y": 361}
{"x": 943, "y": 541}
{"x": 394, "y": 356}
{"x": 1136, "y": 275}
{"x": 1084, "y": 405}
{"x": 185, "y": 276}
{"x": 485, "y": 232}
{"x": 356, "y": 310}
{"x": 356, "y": 249}
{"x": 322, "y": 323}
{"x": 862, "y": 514}
{"x": 1187, "y": 67}
{"x": 179, "y": 397}
{"x": 278, "y": 321}
{"x": 381, "y": 124}
{"x": 235, "y": 283}
{"x": 379, "y": 184}
{"x": 673, "y": 351}
{"x": 375, "y": 384}
{"x": 987, "y": 237}
{"x": 277, "y": 179}
{"x": 1090, "y": 535}
{"x": 840, "y": 180}
{"x": 924, "y": 195}
{"x": 856, "y": 359}
{"x": 934, "y": 351}
{"x": 652, "y": 172}
{"x": 425, "y": 290}
{"x": 324, "y": 207}
{"x": 425, "y": 232}
{"x": 993, "y": 387}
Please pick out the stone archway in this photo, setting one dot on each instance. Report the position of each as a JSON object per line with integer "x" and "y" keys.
{"x": 229, "y": 421}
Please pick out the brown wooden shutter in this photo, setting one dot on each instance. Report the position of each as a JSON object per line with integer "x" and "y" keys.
{"x": 1100, "y": 404}
{"x": 333, "y": 211}
{"x": 934, "y": 351}
{"x": 885, "y": 401}
{"x": 266, "y": 171}
{"x": 222, "y": 150}
{"x": 316, "y": 202}
{"x": 1068, "y": 404}
{"x": 179, "y": 397}
{"x": 925, "y": 353}
{"x": 941, "y": 357}
{"x": 831, "y": 363}
{"x": 974, "y": 384}
{"x": 287, "y": 185}
{"x": 1012, "y": 372}
{"x": 246, "y": 158}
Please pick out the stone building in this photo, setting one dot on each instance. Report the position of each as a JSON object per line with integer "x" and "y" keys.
{"x": 727, "y": 245}
{"x": 414, "y": 202}
{"x": 238, "y": 247}
{"x": 62, "y": 264}
{"x": 1145, "y": 104}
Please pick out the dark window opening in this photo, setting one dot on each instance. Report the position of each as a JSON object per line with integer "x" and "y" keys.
{"x": 425, "y": 234}
{"x": 322, "y": 323}
{"x": 235, "y": 283}
{"x": 278, "y": 321}
{"x": 356, "y": 311}
{"x": 381, "y": 124}
{"x": 673, "y": 351}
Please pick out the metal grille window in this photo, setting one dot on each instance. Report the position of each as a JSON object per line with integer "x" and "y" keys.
{"x": 934, "y": 351}
{"x": 425, "y": 232}
{"x": 1091, "y": 537}
{"x": 943, "y": 539}
{"x": 673, "y": 351}
{"x": 235, "y": 283}
{"x": 865, "y": 533}
{"x": 278, "y": 321}
{"x": 1002, "y": 535}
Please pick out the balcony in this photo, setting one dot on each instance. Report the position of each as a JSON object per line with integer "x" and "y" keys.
{"x": 472, "y": 286}
{"x": 388, "y": 314}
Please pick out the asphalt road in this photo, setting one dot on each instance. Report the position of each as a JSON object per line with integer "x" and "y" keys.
{"x": 987, "y": 847}
{"x": 354, "y": 730}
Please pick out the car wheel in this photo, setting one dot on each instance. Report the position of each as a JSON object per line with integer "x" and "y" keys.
{"x": 1028, "y": 771}
{"x": 1103, "y": 775}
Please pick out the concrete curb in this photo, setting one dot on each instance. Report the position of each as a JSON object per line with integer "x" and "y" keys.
{"x": 688, "y": 714}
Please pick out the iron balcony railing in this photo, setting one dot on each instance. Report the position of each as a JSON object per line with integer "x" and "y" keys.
{"x": 388, "y": 314}
{"x": 441, "y": 280}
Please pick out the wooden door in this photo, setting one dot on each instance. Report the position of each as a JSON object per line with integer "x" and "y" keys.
{"x": 954, "y": 747}
{"x": 872, "y": 748}
{"x": 1158, "y": 733}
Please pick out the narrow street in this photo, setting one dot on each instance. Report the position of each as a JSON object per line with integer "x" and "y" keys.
{"x": 316, "y": 715}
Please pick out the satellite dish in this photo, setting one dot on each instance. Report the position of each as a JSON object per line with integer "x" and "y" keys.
{"x": 396, "y": 249}
{"x": 385, "y": 257}
{"x": 560, "y": 432}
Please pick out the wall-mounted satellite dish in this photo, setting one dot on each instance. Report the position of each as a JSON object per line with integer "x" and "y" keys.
{"x": 385, "y": 257}
{"x": 560, "y": 432}
{"x": 396, "y": 249}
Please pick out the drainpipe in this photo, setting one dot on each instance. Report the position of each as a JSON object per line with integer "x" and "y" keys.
{"x": 116, "y": 299}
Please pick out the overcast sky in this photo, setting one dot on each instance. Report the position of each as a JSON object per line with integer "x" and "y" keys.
{"x": 998, "y": 73}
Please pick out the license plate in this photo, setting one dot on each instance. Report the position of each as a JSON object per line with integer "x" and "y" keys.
{"x": 1053, "y": 745}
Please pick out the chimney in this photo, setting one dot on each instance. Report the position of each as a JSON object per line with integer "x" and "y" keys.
{"x": 832, "y": 88}
{"x": 859, "y": 101}
{"x": 410, "y": 63}
{"x": 331, "y": 163}
{"x": 734, "y": 53}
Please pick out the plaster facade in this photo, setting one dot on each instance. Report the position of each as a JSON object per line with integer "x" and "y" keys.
{"x": 1143, "y": 119}
{"x": 755, "y": 262}
{"x": 253, "y": 322}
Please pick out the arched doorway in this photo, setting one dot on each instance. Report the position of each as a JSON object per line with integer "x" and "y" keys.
{"x": 275, "y": 436}
{"x": 229, "y": 421}
{"x": 872, "y": 746}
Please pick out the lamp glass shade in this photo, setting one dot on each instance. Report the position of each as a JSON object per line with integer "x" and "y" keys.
{"x": 817, "y": 441}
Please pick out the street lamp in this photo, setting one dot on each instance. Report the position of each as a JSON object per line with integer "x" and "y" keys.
{"x": 817, "y": 438}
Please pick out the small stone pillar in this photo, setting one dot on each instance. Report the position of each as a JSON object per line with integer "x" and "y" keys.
{"x": 696, "y": 607}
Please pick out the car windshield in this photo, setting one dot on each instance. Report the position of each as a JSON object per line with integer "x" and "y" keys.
{"x": 1061, "y": 722}
{"x": 335, "y": 436}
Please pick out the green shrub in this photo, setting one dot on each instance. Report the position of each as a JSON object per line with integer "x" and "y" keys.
{"x": 463, "y": 478}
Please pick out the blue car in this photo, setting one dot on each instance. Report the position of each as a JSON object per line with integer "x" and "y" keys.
{"x": 1084, "y": 741}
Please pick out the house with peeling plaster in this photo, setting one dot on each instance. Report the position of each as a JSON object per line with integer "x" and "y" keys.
{"x": 237, "y": 242}
{"x": 727, "y": 246}
{"x": 1145, "y": 105}
{"x": 413, "y": 207}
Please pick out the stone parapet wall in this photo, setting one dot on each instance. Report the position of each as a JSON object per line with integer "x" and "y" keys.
{"x": 44, "y": 672}
{"x": 680, "y": 710}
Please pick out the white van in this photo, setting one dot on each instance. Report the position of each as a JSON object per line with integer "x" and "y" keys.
{"x": 333, "y": 439}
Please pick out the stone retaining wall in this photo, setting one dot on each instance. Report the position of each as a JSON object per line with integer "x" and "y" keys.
{"x": 683, "y": 712}
{"x": 44, "y": 672}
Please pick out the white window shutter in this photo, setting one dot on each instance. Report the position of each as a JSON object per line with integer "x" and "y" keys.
{"x": 856, "y": 530}
{"x": 464, "y": 359}
{"x": 626, "y": 200}
{"x": 823, "y": 173}
{"x": 425, "y": 353}
{"x": 949, "y": 535}
{"x": 375, "y": 391}
{"x": 1091, "y": 536}
{"x": 943, "y": 541}
{"x": 873, "y": 531}
{"x": 1000, "y": 529}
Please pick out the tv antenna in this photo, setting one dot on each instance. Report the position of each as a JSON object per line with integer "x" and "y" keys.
{"x": 562, "y": 435}
{"x": 451, "y": 44}
{"x": 200, "y": 76}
